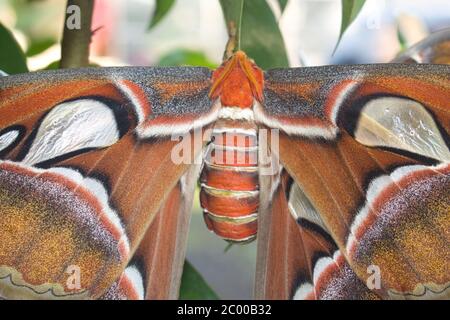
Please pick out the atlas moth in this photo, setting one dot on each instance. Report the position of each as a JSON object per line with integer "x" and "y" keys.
{"x": 361, "y": 179}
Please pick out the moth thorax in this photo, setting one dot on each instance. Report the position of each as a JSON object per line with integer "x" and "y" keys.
{"x": 229, "y": 192}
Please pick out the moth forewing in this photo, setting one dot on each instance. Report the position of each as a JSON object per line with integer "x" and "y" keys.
{"x": 95, "y": 202}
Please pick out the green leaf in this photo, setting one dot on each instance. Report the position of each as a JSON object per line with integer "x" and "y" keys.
{"x": 232, "y": 12}
{"x": 185, "y": 57}
{"x": 401, "y": 39}
{"x": 193, "y": 286}
{"x": 53, "y": 65}
{"x": 283, "y": 4}
{"x": 350, "y": 10}
{"x": 12, "y": 58}
{"x": 39, "y": 46}
{"x": 256, "y": 31}
{"x": 162, "y": 8}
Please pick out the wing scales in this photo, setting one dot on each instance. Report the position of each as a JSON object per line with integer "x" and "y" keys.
{"x": 103, "y": 199}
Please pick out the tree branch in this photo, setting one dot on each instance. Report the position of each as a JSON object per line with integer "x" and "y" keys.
{"x": 77, "y": 34}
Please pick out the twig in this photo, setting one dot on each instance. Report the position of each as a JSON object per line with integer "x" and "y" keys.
{"x": 231, "y": 44}
{"x": 77, "y": 34}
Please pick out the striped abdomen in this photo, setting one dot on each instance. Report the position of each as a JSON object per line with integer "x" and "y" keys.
{"x": 229, "y": 192}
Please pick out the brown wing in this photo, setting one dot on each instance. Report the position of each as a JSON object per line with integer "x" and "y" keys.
{"x": 155, "y": 270}
{"x": 369, "y": 147}
{"x": 297, "y": 257}
{"x": 88, "y": 160}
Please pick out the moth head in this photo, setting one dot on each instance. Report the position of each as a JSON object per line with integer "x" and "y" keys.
{"x": 238, "y": 81}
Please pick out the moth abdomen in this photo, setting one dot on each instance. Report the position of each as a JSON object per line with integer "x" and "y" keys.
{"x": 229, "y": 182}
